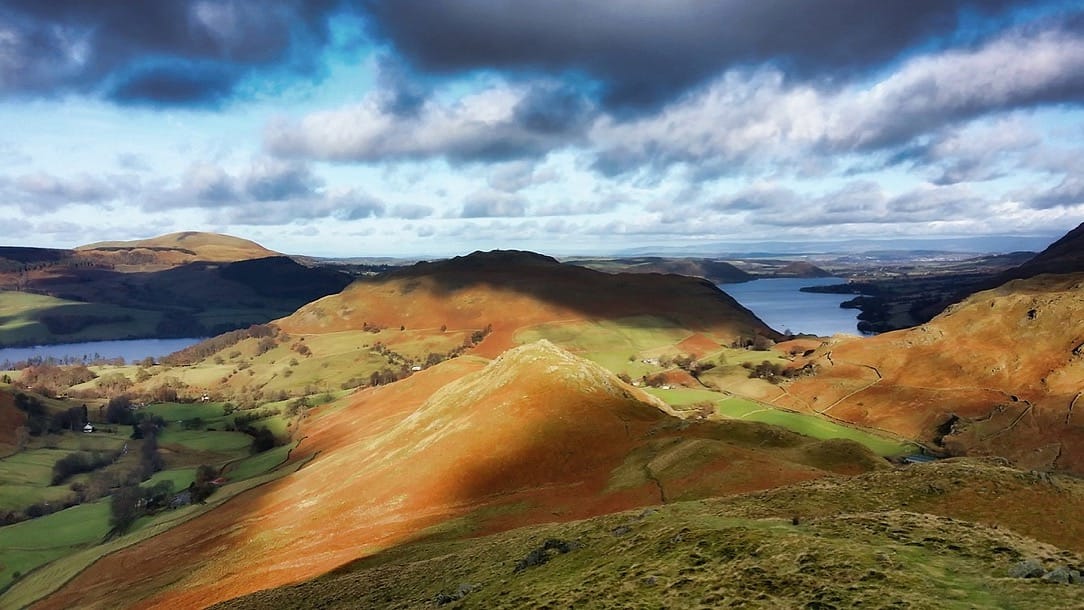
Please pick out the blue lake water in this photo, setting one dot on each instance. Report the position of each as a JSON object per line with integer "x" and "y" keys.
{"x": 781, "y": 305}
{"x": 130, "y": 350}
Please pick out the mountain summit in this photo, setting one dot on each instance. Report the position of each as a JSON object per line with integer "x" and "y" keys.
{"x": 509, "y": 291}
{"x": 187, "y": 246}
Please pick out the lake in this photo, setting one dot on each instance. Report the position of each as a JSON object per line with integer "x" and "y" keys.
{"x": 131, "y": 350}
{"x": 782, "y": 306}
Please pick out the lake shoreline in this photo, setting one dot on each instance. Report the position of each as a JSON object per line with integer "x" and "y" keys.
{"x": 783, "y": 305}
{"x": 131, "y": 350}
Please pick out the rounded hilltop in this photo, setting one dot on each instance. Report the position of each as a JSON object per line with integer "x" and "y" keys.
{"x": 508, "y": 291}
{"x": 189, "y": 245}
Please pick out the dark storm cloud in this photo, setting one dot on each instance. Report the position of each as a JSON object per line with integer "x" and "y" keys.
{"x": 649, "y": 52}
{"x": 550, "y": 109}
{"x": 174, "y": 52}
{"x": 401, "y": 93}
{"x": 180, "y": 85}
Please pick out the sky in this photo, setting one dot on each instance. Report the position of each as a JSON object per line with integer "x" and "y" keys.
{"x": 435, "y": 127}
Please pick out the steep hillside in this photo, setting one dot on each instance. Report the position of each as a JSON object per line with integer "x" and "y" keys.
{"x": 827, "y": 543}
{"x": 458, "y": 450}
{"x": 1063, "y": 256}
{"x": 508, "y": 290}
{"x": 999, "y": 373}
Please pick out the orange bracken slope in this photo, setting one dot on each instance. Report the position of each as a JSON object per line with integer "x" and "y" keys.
{"x": 536, "y": 435}
{"x": 510, "y": 290}
{"x": 1008, "y": 362}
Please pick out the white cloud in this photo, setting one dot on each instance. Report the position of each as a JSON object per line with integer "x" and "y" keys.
{"x": 756, "y": 121}
{"x": 495, "y": 123}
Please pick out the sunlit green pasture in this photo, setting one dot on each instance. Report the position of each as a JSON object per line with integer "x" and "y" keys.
{"x": 736, "y": 407}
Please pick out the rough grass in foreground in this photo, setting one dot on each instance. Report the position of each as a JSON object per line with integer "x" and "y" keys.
{"x": 692, "y": 555}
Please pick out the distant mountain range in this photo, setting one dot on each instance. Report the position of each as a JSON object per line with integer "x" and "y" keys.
{"x": 974, "y": 245}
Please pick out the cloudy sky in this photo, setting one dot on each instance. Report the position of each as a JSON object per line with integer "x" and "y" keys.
{"x": 405, "y": 127}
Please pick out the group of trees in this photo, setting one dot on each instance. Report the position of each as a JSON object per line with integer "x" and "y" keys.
{"x": 131, "y": 501}
{"x": 206, "y": 349}
{"x": 693, "y": 366}
{"x": 776, "y": 372}
{"x": 80, "y": 462}
{"x": 119, "y": 410}
{"x": 39, "y": 421}
{"x": 757, "y": 342}
{"x": 51, "y": 379}
{"x": 37, "y": 415}
{"x": 262, "y": 437}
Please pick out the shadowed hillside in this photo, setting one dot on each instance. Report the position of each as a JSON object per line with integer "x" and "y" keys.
{"x": 718, "y": 272}
{"x": 509, "y": 290}
{"x": 1063, "y": 256}
{"x": 179, "y": 285}
{"x": 461, "y": 449}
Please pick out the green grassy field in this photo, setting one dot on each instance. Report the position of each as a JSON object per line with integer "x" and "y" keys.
{"x": 258, "y": 464}
{"x": 202, "y": 440}
{"x": 29, "y": 544}
{"x": 736, "y": 407}
{"x": 179, "y": 477}
{"x": 174, "y": 412}
{"x": 60, "y": 544}
{"x": 51, "y": 550}
{"x": 25, "y": 477}
{"x": 213, "y": 416}
{"x": 610, "y": 343}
